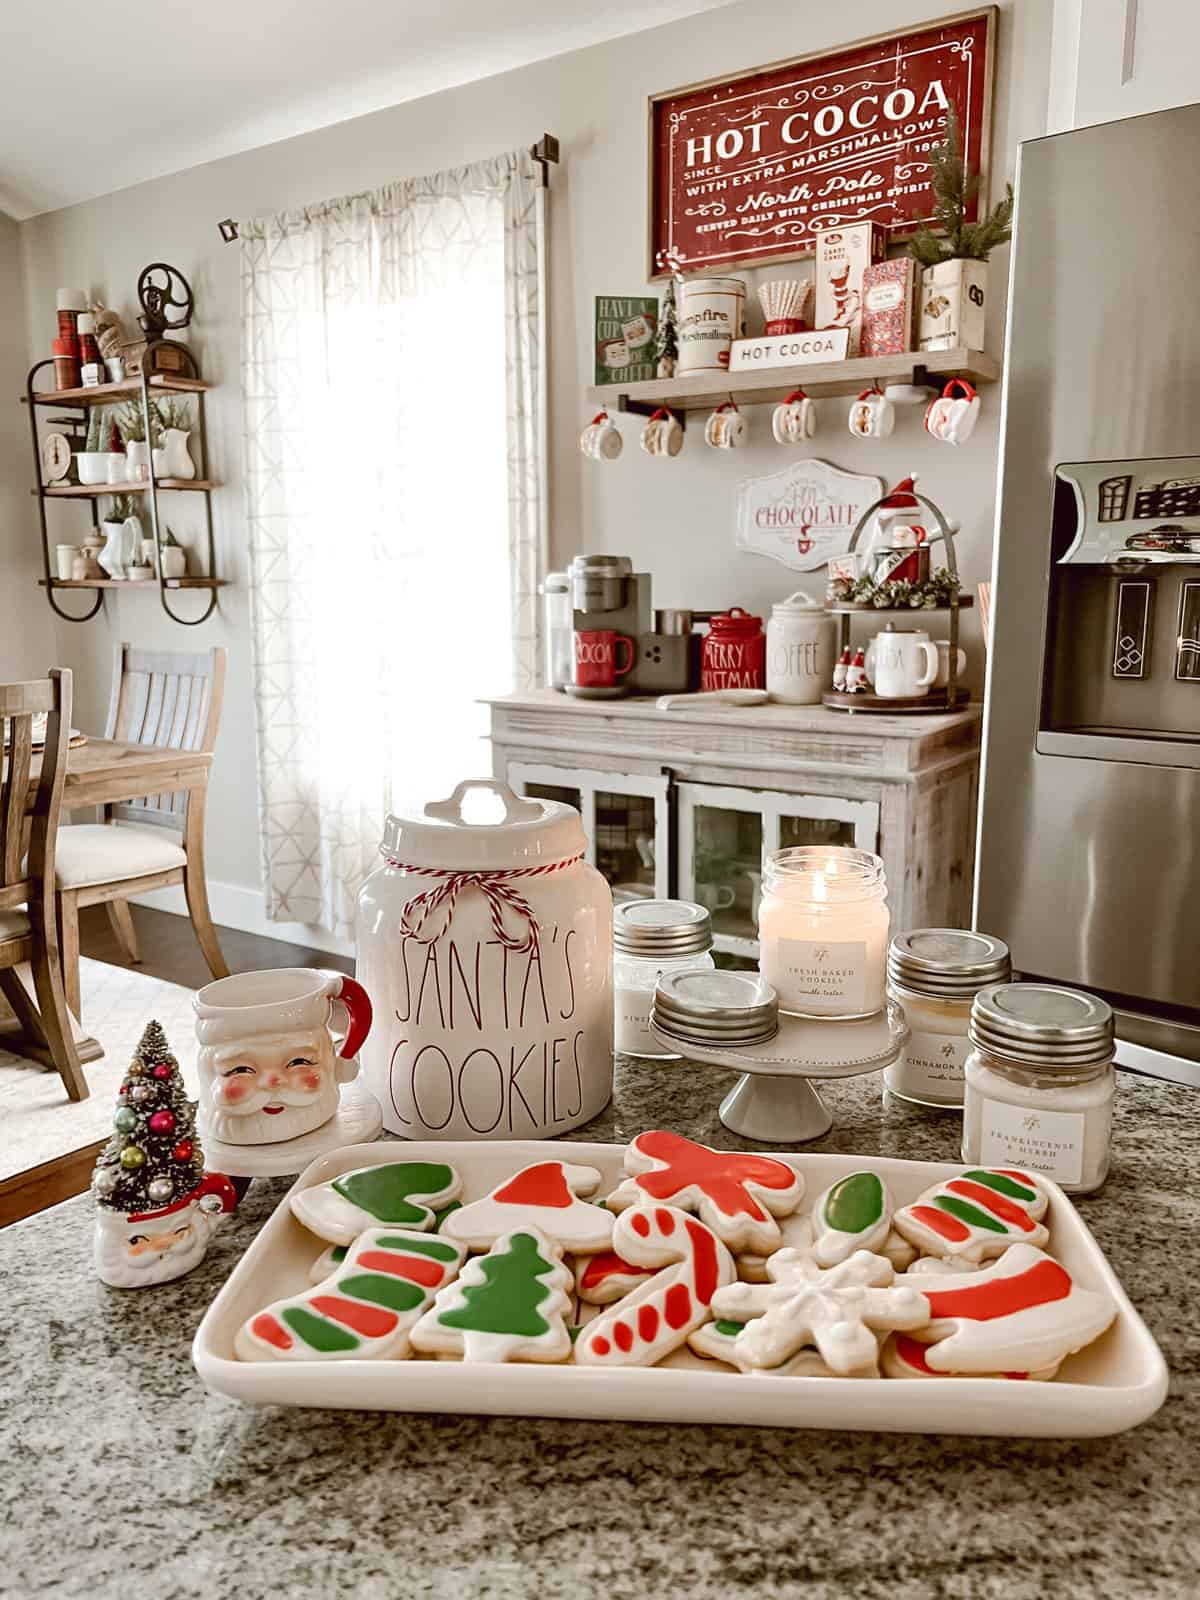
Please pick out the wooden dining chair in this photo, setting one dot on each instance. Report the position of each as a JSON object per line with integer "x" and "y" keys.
{"x": 28, "y": 930}
{"x": 161, "y": 697}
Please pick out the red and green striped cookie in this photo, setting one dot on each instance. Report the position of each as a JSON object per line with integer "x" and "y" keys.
{"x": 331, "y": 1259}
{"x": 976, "y": 1215}
{"x": 363, "y": 1310}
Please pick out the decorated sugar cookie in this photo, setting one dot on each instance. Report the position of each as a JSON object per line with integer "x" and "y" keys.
{"x": 1018, "y": 1314}
{"x": 797, "y": 1234}
{"x": 904, "y": 1356}
{"x": 506, "y": 1306}
{"x": 738, "y": 1196}
{"x": 716, "y": 1341}
{"x": 853, "y": 1214}
{"x": 330, "y": 1259}
{"x": 396, "y": 1194}
{"x": 977, "y": 1215}
{"x": 898, "y": 1251}
{"x": 363, "y": 1310}
{"x": 925, "y": 1264}
{"x": 603, "y": 1278}
{"x": 545, "y": 1196}
{"x": 838, "y": 1309}
{"x": 656, "y": 1318}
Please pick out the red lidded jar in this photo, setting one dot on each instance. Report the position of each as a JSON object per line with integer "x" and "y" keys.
{"x": 734, "y": 652}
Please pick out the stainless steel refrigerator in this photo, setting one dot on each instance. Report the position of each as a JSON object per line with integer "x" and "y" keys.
{"x": 1089, "y": 842}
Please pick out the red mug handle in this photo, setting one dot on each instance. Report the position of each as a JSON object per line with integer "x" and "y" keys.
{"x": 619, "y": 640}
{"x": 357, "y": 1002}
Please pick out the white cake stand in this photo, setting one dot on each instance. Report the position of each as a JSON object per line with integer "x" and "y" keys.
{"x": 359, "y": 1120}
{"x": 774, "y": 1100}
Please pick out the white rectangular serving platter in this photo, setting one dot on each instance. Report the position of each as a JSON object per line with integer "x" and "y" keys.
{"x": 1114, "y": 1384}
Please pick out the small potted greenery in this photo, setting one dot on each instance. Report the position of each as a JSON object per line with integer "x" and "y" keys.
{"x": 953, "y": 253}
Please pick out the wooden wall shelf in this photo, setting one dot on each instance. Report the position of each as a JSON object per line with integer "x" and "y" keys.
{"x": 93, "y": 491}
{"x": 704, "y": 390}
{"x": 103, "y": 394}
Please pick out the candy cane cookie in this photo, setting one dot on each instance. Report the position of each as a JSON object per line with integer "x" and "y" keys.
{"x": 976, "y": 1215}
{"x": 656, "y": 1318}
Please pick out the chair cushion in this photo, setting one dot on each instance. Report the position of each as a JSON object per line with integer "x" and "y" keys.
{"x": 110, "y": 852}
{"x": 13, "y": 925}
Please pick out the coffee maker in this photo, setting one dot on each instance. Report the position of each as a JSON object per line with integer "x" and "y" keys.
{"x": 608, "y": 595}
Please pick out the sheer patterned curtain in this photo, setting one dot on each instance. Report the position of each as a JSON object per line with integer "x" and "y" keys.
{"x": 393, "y": 402}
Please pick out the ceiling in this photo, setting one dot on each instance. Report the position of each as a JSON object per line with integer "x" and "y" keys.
{"x": 95, "y": 98}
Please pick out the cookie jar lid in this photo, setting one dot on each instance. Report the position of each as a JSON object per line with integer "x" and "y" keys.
{"x": 483, "y": 826}
{"x": 1053, "y": 1029}
{"x": 662, "y": 928}
{"x": 947, "y": 963}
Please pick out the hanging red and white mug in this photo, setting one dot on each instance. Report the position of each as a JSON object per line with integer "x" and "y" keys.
{"x": 663, "y": 434}
{"x": 726, "y": 427}
{"x": 600, "y": 439}
{"x": 953, "y": 415}
{"x": 872, "y": 415}
{"x": 794, "y": 419}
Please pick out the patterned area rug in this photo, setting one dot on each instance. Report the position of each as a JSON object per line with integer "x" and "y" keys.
{"x": 38, "y": 1120}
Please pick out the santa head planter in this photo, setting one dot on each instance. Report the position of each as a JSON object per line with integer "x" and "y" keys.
{"x": 156, "y": 1207}
{"x": 270, "y": 1069}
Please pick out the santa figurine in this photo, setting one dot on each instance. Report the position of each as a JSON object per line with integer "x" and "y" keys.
{"x": 899, "y": 536}
{"x": 156, "y": 1207}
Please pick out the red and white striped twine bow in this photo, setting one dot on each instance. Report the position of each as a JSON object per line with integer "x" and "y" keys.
{"x": 494, "y": 886}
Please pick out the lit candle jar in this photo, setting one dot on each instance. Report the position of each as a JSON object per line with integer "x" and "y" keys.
{"x": 823, "y": 930}
{"x": 1039, "y": 1083}
{"x": 935, "y": 973}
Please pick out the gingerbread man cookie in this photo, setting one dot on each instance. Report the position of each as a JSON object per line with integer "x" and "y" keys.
{"x": 657, "y": 1317}
{"x": 977, "y": 1215}
{"x": 1018, "y": 1314}
{"x": 543, "y": 1196}
{"x": 738, "y": 1196}
{"x": 838, "y": 1309}
{"x": 363, "y": 1309}
{"x": 396, "y": 1194}
{"x": 506, "y": 1306}
{"x": 904, "y": 1356}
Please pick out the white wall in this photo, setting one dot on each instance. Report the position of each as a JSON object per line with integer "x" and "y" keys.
{"x": 674, "y": 517}
{"x": 1121, "y": 58}
{"x": 26, "y": 633}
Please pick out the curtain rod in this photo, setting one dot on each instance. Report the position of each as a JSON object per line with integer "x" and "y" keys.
{"x": 543, "y": 152}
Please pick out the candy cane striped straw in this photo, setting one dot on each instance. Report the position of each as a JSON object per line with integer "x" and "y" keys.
{"x": 985, "y": 612}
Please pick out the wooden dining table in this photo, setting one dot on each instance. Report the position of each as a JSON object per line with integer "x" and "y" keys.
{"x": 104, "y": 771}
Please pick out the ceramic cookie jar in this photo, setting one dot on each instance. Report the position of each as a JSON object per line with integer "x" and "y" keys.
{"x": 486, "y": 940}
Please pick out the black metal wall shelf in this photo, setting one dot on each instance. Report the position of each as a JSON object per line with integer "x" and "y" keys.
{"x": 145, "y": 388}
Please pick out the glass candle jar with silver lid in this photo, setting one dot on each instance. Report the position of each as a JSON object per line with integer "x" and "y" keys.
{"x": 823, "y": 930}
{"x": 935, "y": 974}
{"x": 650, "y": 938}
{"x": 1040, "y": 1082}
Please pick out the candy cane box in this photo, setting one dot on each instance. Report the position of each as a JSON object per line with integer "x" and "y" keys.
{"x": 677, "y": 1269}
{"x": 843, "y": 255}
{"x": 485, "y": 941}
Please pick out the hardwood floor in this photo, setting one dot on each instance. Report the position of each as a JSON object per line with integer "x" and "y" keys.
{"x": 169, "y": 951}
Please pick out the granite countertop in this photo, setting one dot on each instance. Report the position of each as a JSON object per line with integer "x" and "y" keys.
{"x": 124, "y": 1477}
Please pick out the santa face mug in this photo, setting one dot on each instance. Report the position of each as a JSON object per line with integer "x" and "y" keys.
{"x": 662, "y": 435}
{"x": 600, "y": 439}
{"x": 953, "y": 415}
{"x": 133, "y": 1252}
{"x": 794, "y": 419}
{"x": 269, "y": 1067}
{"x": 726, "y": 427}
{"x": 872, "y": 415}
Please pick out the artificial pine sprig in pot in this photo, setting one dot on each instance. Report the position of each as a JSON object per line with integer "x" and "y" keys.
{"x": 948, "y": 236}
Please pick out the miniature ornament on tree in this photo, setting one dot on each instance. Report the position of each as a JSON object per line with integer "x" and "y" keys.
{"x": 156, "y": 1207}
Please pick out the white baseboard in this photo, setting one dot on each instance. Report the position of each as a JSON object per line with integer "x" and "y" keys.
{"x": 233, "y": 905}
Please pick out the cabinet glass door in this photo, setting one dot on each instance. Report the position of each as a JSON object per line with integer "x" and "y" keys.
{"x": 724, "y": 834}
{"x": 625, "y": 822}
